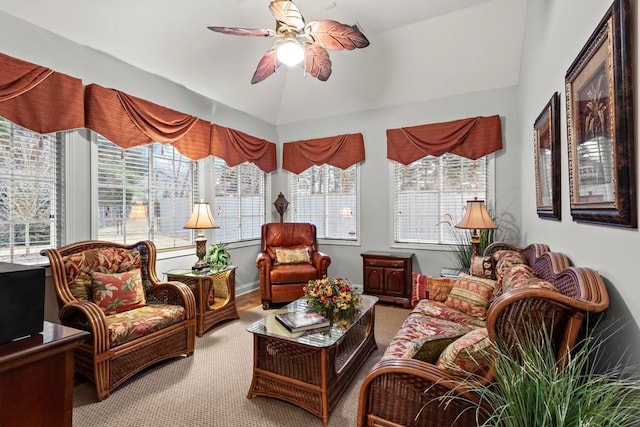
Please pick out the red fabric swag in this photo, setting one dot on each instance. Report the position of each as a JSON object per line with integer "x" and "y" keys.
{"x": 340, "y": 151}
{"x": 236, "y": 147}
{"x": 129, "y": 122}
{"x": 471, "y": 138}
{"x": 38, "y": 98}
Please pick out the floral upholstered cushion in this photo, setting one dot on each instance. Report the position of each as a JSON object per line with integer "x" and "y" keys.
{"x": 416, "y": 330}
{"x": 118, "y": 292}
{"x": 471, "y": 295}
{"x": 470, "y": 354}
{"x": 105, "y": 260}
{"x": 505, "y": 260}
{"x": 515, "y": 277}
{"x": 429, "y": 287}
{"x": 292, "y": 255}
{"x": 482, "y": 266}
{"x": 131, "y": 324}
{"x": 442, "y": 311}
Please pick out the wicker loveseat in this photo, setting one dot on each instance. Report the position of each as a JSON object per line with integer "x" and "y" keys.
{"x": 135, "y": 321}
{"x": 402, "y": 390}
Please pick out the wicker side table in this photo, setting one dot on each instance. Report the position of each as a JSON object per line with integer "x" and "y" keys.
{"x": 215, "y": 293}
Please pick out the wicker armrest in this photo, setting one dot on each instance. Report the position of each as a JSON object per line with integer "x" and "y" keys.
{"x": 405, "y": 390}
{"x": 88, "y": 316}
{"x": 176, "y": 293}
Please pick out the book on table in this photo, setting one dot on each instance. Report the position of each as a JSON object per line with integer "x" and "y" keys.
{"x": 298, "y": 321}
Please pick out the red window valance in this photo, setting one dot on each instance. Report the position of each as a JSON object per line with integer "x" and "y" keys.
{"x": 340, "y": 151}
{"x": 38, "y": 98}
{"x": 237, "y": 147}
{"x": 129, "y": 122}
{"x": 471, "y": 138}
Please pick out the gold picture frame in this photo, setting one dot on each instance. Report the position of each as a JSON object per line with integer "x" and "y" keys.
{"x": 546, "y": 136}
{"x": 600, "y": 125}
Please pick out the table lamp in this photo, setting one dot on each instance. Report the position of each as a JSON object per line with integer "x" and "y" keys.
{"x": 201, "y": 219}
{"x": 476, "y": 218}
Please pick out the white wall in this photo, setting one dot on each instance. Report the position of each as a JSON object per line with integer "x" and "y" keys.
{"x": 555, "y": 33}
{"x": 376, "y": 220}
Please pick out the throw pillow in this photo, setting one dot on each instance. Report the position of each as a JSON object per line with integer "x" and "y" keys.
{"x": 515, "y": 277}
{"x": 482, "y": 266}
{"x": 471, "y": 295}
{"x": 429, "y": 287}
{"x": 118, "y": 292}
{"x": 470, "y": 354}
{"x": 292, "y": 255}
{"x": 505, "y": 260}
{"x": 431, "y": 350}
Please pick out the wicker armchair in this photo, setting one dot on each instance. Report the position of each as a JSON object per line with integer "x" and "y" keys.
{"x": 410, "y": 392}
{"x": 127, "y": 340}
{"x": 283, "y": 282}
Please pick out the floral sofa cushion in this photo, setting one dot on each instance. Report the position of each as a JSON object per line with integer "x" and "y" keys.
{"x": 132, "y": 324}
{"x": 442, "y": 311}
{"x": 417, "y": 330}
{"x": 470, "y": 354}
{"x": 104, "y": 260}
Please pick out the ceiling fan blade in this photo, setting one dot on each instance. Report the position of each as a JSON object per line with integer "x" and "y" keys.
{"x": 288, "y": 17}
{"x": 267, "y": 66}
{"x": 317, "y": 62}
{"x": 333, "y": 35}
{"x": 236, "y": 31}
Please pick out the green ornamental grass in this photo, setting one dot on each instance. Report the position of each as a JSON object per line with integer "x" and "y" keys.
{"x": 532, "y": 390}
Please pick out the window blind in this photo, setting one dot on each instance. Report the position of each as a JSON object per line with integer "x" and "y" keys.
{"x": 31, "y": 190}
{"x": 429, "y": 196}
{"x": 327, "y": 197}
{"x": 145, "y": 193}
{"x": 239, "y": 206}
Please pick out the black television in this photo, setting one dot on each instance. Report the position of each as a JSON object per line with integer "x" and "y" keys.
{"x": 21, "y": 301}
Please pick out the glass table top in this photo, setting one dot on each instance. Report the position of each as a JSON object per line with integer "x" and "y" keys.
{"x": 321, "y": 337}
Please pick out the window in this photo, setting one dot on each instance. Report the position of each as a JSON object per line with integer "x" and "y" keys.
{"x": 145, "y": 193}
{"x": 327, "y": 197}
{"x": 429, "y": 196}
{"x": 31, "y": 189}
{"x": 239, "y": 206}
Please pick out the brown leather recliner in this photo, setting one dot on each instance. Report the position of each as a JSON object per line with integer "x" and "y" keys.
{"x": 283, "y": 281}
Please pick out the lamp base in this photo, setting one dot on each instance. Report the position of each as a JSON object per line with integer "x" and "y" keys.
{"x": 201, "y": 251}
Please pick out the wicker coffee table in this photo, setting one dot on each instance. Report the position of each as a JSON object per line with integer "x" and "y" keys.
{"x": 312, "y": 369}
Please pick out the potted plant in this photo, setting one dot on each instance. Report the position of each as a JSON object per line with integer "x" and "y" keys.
{"x": 217, "y": 255}
{"x": 533, "y": 389}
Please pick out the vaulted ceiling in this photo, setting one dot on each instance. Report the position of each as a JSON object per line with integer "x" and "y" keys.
{"x": 420, "y": 49}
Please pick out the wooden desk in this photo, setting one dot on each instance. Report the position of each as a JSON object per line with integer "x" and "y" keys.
{"x": 36, "y": 378}
{"x": 215, "y": 293}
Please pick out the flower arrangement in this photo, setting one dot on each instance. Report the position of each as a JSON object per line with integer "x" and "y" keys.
{"x": 330, "y": 296}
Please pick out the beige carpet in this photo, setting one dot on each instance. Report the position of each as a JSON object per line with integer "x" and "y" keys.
{"x": 210, "y": 388}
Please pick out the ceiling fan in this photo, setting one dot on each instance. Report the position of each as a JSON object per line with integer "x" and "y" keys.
{"x": 299, "y": 42}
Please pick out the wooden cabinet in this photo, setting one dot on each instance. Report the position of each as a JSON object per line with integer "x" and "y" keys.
{"x": 36, "y": 378}
{"x": 388, "y": 276}
{"x": 215, "y": 294}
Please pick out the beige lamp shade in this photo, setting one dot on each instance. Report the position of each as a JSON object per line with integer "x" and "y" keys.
{"x": 476, "y": 217}
{"x": 202, "y": 217}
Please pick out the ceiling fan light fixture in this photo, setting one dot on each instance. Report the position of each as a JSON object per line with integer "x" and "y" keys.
{"x": 289, "y": 52}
